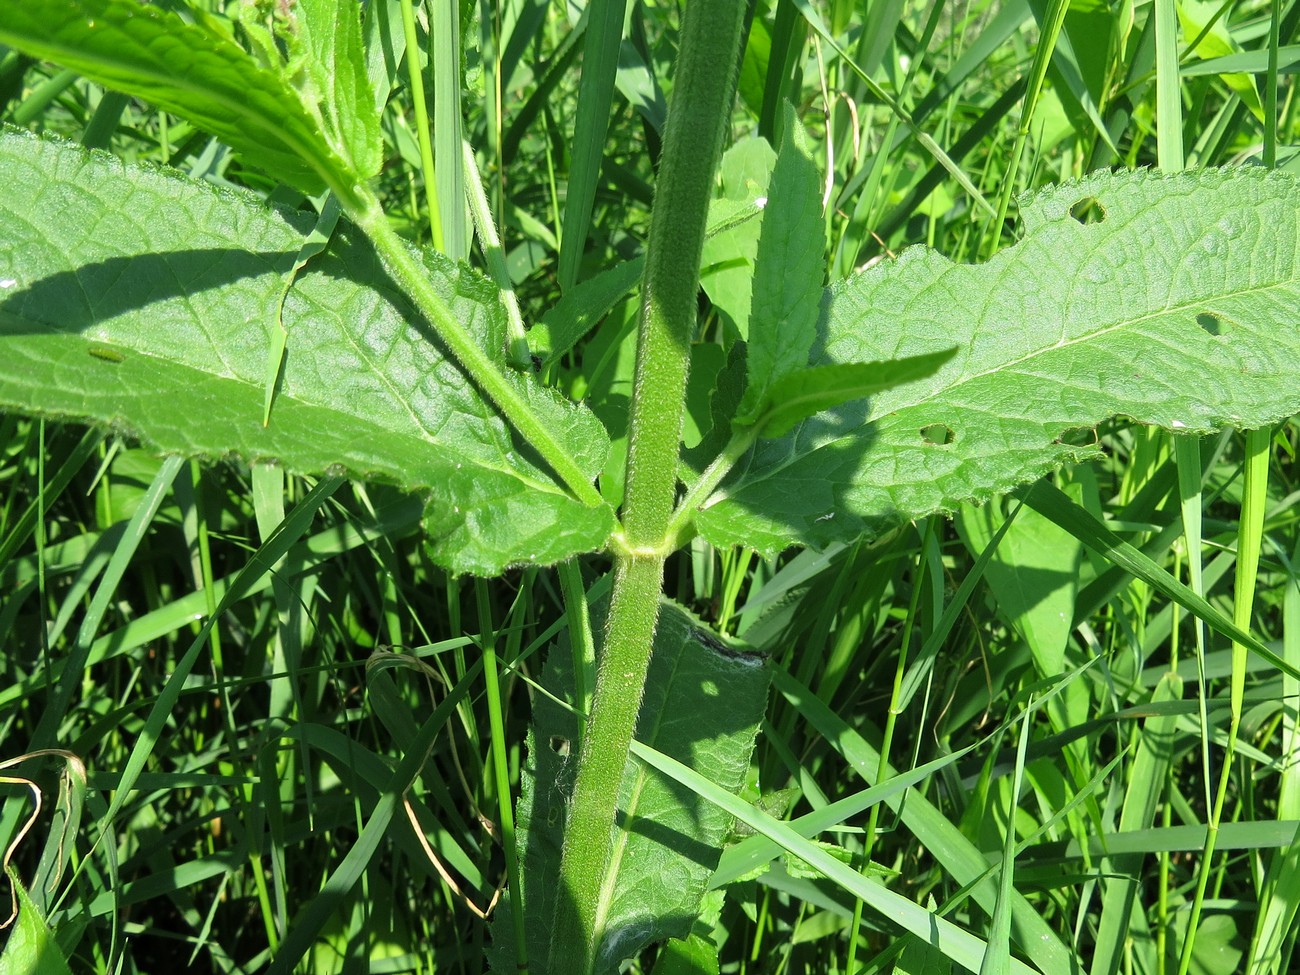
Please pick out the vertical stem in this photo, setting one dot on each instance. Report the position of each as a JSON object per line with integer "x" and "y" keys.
{"x": 422, "y": 123}
{"x": 697, "y": 121}
{"x": 500, "y": 764}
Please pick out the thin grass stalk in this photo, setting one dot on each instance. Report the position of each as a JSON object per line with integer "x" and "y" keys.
{"x": 580, "y": 639}
{"x": 422, "y": 124}
{"x": 1051, "y": 30}
{"x": 495, "y": 258}
{"x": 1270, "y": 86}
{"x": 1250, "y": 532}
{"x": 697, "y": 122}
{"x": 500, "y": 764}
{"x": 891, "y": 722}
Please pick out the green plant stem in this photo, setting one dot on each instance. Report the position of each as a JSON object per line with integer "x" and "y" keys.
{"x": 705, "y": 79}
{"x": 702, "y": 490}
{"x": 495, "y": 258}
{"x": 407, "y": 271}
{"x": 616, "y": 700}
{"x": 697, "y": 122}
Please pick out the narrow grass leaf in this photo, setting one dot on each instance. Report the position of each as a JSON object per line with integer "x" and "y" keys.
{"x": 1244, "y": 62}
{"x": 1279, "y": 897}
{"x": 73, "y": 676}
{"x": 1050, "y": 501}
{"x": 958, "y": 856}
{"x": 961, "y": 946}
{"x": 1174, "y": 310}
{"x": 924, "y": 138}
{"x": 446, "y": 58}
{"x": 1142, "y": 794}
{"x": 270, "y": 553}
{"x": 749, "y": 854}
{"x": 307, "y": 924}
{"x": 600, "y": 56}
{"x": 1196, "y": 16}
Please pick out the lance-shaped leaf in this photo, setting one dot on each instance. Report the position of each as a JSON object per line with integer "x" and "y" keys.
{"x": 147, "y": 301}
{"x": 788, "y": 272}
{"x": 703, "y": 703}
{"x": 190, "y": 70}
{"x": 807, "y": 392}
{"x": 1178, "y": 308}
{"x": 334, "y": 59}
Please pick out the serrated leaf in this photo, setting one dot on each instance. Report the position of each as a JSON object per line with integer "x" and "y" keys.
{"x": 335, "y": 61}
{"x": 147, "y": 301}
{"x": 1177, "y": 309}
{"x": 788, "y": 270}
{"x": 703, "y": 704}
{"x": 31, "y": 948}
{"x": 186, "y": 69}
{"x": 812, "y": 390}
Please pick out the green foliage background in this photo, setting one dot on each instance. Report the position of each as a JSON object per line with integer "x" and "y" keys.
{"x": 271, "y": 816}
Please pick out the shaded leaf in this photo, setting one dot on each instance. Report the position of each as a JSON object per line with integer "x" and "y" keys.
{"x": 1176, "y": 309}
{"x": 809, "y": 391}
{"x": 788, "y": 271}
{"x": 147, "y": 301}
{"x": 703, "y": 703}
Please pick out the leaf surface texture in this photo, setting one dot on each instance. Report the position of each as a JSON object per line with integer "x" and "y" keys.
{"x": 1176, "y": 309}
{"x": 146, "y": 301}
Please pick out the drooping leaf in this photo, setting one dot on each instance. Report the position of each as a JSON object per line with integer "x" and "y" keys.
{"x": 788, "y": 271}
{"x": 1177, "y": 309}
{"x": 146, "y": 301}
{"x": 703, "y": 704}
{"x": 188, "y": 69}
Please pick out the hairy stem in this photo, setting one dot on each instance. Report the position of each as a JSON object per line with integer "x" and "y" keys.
{"x": 697, "y": 121}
